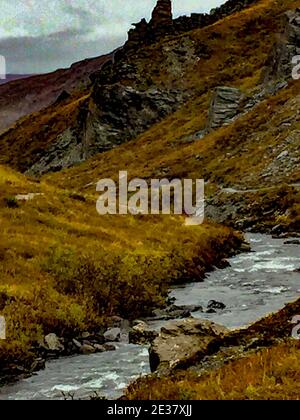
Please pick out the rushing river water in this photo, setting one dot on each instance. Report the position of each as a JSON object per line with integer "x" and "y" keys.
{"x": 255, "y": 284}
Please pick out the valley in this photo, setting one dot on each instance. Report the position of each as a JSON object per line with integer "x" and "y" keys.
{"x": 211, "y": 97}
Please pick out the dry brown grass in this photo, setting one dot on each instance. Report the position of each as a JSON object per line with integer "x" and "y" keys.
{"x": 269, "y": 374}
{"x": 64, "y": 268}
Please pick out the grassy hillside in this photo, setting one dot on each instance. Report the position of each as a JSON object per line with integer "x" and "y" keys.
{"x": 237, "y": 155}
{"x": 66, "y": 269}
{"x": 238, "y": 60}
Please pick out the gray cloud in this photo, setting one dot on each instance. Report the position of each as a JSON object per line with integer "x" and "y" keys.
{"x": 42, "y": 35}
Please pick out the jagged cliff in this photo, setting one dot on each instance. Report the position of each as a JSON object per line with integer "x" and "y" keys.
{"x": 162, "y": 22}
{"x": 280, "y": 62}
{"x": 137, "y": 88}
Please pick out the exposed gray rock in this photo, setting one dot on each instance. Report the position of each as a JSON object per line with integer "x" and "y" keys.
{"x": 38, "y": 364}
{"x": 180, "y": 340}
{"x": 87, "y": 349}
{"x": 142, "y": 334}
{"x": 162, "y": 24}
{"x": 165, "y": 314}
{"x": 115, "y": 322}
{"x": 116, "y": 114}
{"x": 225, "y": 105}
{"x": 99, "y": 348}
{"x": 68, "y": 149}
{"x": 112, "y": 335}
{"x": 279, "y": 64}
{"x": 54, "y": 343}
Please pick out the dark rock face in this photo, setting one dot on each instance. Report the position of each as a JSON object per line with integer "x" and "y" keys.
{"x": 160, "y": 24}
{"x": 163, "y": 24}
{"x": 116, "y": 114}
{"x": 226, "y": 104}
{"x": 279, "y": 64}
{"x": 162, "y": 15}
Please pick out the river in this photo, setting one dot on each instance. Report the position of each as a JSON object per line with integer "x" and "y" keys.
{"x": 255, "y": 284}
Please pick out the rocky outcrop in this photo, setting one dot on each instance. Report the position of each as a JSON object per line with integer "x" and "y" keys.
{"x": 181, "y": 340}
{"x": 162, "y": 18}
{"x": 116, "y": 114}
{"x": 162, "y": 24}
{"x": 68, "y": 149}
{"x": 225, "y": 105}
{"x": 279, "y": 64}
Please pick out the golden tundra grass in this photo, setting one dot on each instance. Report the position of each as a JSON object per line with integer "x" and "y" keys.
{"x": 64, "y": 268}
{"x": 269, "y": 374}
{"x": 56, "y": 252}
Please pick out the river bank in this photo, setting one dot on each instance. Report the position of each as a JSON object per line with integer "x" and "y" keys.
{"x": 271, "y": 266}
{"x": 90, "y": 299}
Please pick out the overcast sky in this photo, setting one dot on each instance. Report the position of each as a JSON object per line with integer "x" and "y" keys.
{"x": 43, "y": 35}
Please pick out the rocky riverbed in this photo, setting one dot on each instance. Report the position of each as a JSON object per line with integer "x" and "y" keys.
{"x": 251, "y": 286}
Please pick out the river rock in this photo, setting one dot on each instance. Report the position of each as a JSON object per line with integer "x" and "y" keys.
{"x": 109, "y": 347}
{"x": 292, "y": 242}
{"x": 115, "y": 322}
{"x": 142, "y": 334}
{"x": 76, "y": 343}
{"x": 189, "y": 308}
{"x": 245, "y": 247}
{"x": 180, "y": 340}
{"x": 174, "y": 312}
{"x": 99, "y": 348}
{"x": 86, "y": 335}
{"x": 277, "y": 230}
{"x": 87, "y": 349}
{"x": 53, "y": 343}
{"x": 214, "y": 305}
{"x": 38, "y": 364}
{"x": 112, "y": 335}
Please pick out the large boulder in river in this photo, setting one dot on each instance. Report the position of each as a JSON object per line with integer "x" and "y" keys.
{"x": 181, "y": 340}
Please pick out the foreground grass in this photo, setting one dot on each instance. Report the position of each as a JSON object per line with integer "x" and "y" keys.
{"x": 269, "y": 374}
{"x": 65, "y": 269}
{"x": 236, "y": 370}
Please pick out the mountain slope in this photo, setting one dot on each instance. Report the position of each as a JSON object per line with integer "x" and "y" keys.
{"x": 65, "y": 269}
{"x": 12, "y": 77}
{"x": 22, "y": 97}
{"x": 179, "y": 71}
{"x": 258, "y": 151}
